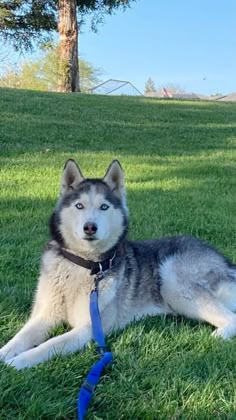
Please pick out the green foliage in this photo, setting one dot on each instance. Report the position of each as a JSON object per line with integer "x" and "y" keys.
{"x": 89, "y": 75}
{"x": 42, "y": 73}
{"x": 179, "y": 161}
{"x": 26, "y": 22}
{"x": 149, "y": 86}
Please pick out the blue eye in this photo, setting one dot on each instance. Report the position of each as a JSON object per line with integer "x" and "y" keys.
{"x": 104, "y": 207}
{"x": 79, "y": 206}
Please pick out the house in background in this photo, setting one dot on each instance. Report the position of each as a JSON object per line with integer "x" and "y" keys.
{"x": 166, "y": 93}
{"x": 181, "y": 95}
{"x": 228, "y": 97}
{"x": 188, "y": 96}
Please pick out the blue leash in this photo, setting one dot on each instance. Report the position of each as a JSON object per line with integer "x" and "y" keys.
{"x": 87, "y": 389}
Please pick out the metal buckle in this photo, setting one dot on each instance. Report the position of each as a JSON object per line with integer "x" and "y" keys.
{"x": 99, "y": 276}
{"x": 100, "y": 266}
{"x": 101, "y": 349}
{"x": 88, "y": 386}
{"x": 111, "y": 259}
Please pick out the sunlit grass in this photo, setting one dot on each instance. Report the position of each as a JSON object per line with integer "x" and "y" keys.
{"x": 179, "y": 159}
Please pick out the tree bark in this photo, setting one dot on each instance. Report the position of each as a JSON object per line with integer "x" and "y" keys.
{"x": 68, "y": 80}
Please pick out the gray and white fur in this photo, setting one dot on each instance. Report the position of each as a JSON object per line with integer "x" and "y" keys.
{"x": 172, "y": 275}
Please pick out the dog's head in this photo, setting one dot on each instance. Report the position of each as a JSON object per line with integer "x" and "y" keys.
{"x": 91, "y": 215}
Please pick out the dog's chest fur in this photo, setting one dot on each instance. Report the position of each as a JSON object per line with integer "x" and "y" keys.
{"x": 68, "y": 287}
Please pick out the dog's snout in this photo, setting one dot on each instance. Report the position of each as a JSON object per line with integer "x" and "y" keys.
{"x": 90, "y": 228}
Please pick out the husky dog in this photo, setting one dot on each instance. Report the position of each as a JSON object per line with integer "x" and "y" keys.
{"x": 172, "y": 275}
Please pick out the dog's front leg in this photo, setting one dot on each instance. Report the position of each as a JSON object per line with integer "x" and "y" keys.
{"x": 33, "y": 333}
{"x": 63, "y": 344}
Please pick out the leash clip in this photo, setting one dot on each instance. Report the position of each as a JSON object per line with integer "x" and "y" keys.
{"x": 101, "y": 349}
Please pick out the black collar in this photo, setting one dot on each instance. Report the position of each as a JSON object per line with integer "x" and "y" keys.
{"x": 95, "y": 267}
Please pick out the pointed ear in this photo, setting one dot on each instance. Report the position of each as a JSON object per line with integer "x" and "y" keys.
{"x": 114, "y": 178}
{"x": 71, "y": 177}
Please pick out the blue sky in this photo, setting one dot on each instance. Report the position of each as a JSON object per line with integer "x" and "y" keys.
{"x": 191, "y": 43}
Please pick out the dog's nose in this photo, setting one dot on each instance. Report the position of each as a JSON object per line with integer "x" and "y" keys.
{"x": 90, "y": 228}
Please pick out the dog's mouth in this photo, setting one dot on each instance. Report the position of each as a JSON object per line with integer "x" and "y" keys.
{"x": 90, "y": 239}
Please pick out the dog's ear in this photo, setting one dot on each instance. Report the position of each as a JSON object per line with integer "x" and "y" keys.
{"x": 71, "y": 177}
{"x": 114, "y": 178}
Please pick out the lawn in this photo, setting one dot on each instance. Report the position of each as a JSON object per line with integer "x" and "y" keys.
{"x": 179, "y": 159}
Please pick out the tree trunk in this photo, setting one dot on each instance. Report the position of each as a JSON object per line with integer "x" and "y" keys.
{"x": 68, "y": 80}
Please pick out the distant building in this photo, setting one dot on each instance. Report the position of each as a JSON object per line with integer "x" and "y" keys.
{"x": 166, "y": 93}
{"x": 229, "y": 97}
{"x": 185, "y": 96}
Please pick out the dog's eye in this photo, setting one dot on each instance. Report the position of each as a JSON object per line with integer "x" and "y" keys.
{"x": 104, "y": 207}
{"x": 79, "y": 206}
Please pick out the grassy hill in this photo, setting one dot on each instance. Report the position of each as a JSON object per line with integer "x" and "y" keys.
{"x": 179, "y": 159}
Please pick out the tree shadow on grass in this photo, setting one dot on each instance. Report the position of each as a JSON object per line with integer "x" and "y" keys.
{"x": 144, "y": 129}
{"x": 90, "y": 124}
{"x": 181, "y": 368}
{"x": 191, "y": 208}
{"x": 171, "y": 140}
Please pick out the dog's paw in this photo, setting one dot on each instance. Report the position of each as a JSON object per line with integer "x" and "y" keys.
{"x": 5, "y": 354}
{"x": 19, "y": 362}
{"x": 26, "y": 359}
{"x": 225, "y": 332}
{"x": 8, "y": 352}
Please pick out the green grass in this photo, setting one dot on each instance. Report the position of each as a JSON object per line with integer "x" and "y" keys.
{"x": 179, "y": 159}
